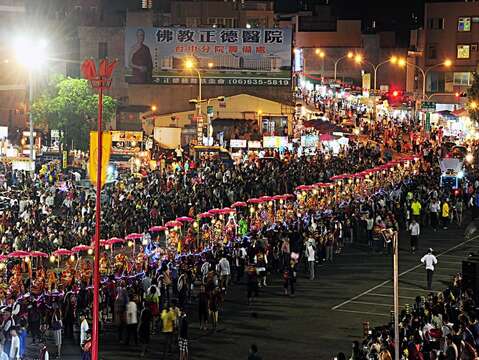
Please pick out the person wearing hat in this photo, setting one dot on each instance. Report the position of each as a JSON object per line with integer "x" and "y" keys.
{"x": 429, "y": 261}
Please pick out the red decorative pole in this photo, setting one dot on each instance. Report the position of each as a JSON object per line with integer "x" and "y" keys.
{"x": 100, "y": 82}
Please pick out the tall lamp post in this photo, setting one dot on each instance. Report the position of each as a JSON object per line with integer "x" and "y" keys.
{"x": 100, "y": 82}
{"x": 424, "y": 71}
{"x": 349, "y": 55}
{"x": 191, "y": 65}
{"x": 32, "y": 55}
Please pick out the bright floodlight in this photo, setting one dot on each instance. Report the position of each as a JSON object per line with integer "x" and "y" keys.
{"x": 447, "y": 63}
{"x": 350, "y": 55}
{"x": 358, "y": 58}
{"x": 30, "y": 52}
{"x": 189, "y": 64}
{"x": 402, "y": 62}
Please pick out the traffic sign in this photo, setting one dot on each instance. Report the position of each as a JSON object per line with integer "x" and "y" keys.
{"x": 428, "y": 105}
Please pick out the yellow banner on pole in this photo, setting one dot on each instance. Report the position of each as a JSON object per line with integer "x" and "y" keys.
{"x": 105, "y": 156}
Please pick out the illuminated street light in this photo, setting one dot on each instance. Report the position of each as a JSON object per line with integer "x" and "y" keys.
{"x": 358, "y": 59}
{"x": 402, "y": 62}
{"x": 210, "y": 65}
{"x": 473, "y": 105}
{"x": 189, "y": 64}
{"x": 153, "y": 108}
{"x": 32, "y": 54}
{"x": 349, "y": 55}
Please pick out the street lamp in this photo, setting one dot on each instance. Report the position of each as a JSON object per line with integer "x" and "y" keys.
{"x": 349, "y": 55}
{"x": 32, "y": 54}
{"x": 401, "y": 62}
{"x": 190, "y": 65}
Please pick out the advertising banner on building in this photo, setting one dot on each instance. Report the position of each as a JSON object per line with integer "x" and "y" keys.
{"x": 224, "y": 56}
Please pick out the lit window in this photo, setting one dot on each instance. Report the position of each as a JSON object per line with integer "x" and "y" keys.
{"x": 463, "y": 51}
{"x": 464, "y": 24}
{"x": 462, "y": 78}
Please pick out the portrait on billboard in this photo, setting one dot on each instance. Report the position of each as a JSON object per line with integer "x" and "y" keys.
{"x": 139, "y": 60}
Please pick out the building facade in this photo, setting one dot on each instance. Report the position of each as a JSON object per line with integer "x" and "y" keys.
{"x": 450, "y": 32}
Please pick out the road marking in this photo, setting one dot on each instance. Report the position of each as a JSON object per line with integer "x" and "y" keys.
{"x": 371, "y": 303}
{"x": 391, "y": 295}
{"x": 457, "y": 257}
{"x": 364, "y": 312}
{"x": 409, "y": 289}
{"x": 401, "y": 274}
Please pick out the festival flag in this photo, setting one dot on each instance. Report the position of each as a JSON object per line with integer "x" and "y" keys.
{"x": 105, "y": 157}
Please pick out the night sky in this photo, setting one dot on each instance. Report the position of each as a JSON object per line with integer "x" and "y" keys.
{"x": 389, "y": 15}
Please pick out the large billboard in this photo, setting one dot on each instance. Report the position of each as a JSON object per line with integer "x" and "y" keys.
{"x": 224, "y": 56}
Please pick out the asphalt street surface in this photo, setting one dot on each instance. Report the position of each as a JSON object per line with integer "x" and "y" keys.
{"x": 325, "y": 315}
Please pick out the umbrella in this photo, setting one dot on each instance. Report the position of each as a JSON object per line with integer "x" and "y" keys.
{"x": 205, "y": 215}
{"x": 266, "y": 198}
{"x": 80, "y": 248}
{"x": 171, "y": 224}
{"x": 114, "y": 241}
{"x": 279, "y": 197}
{"x": 38, "y": 254}
{"x": 214, "y": 211}
{"x": 133, "y": 236}
{"x": 227, "y": 210}
{"x": 239, "y": 204}
{"x": 19, "y": 253}
{"x": 304, "y": 187}
{"x": 289, "y": 196}
{"x": 62, "y": 252}
{"x": 254, "y": 201}
{"x": 185, "y": 219}
{"x": 157, "y": 228}
{"x": 3, "y": 257}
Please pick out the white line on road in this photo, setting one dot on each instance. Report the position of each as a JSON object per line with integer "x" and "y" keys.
{"x": 364, "y": 312}
{"x": 390, "y": 295}
{"x": 371, "y": 303}
{"x": 401, "y": 274}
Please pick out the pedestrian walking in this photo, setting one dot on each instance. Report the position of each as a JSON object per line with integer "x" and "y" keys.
{"x": 429, "y": 261}
{"x": 168, "y": 319}
{"x": 414, "y": 231}
{"x": 144, "y": 328}
{"x": 311, "y": 254}
{"x": 131, "y": 321}
{"x": 183, "y": 336}
{"x": 57, "y": 326}
{"x": 445, "y": 214}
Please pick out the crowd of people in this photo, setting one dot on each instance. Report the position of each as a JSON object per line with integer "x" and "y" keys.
{"x": 153, "y": 292}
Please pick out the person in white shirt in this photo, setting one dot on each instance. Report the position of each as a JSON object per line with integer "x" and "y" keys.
{"x": 414, "y": 230}
{"x": 429, "y": 261}
{"x": 225, "y": 272}
{"x": 131, "y": 321}
{"x": 311, "y": 254}
{"x": 83, "y": 329}
{"x": 15, "y": 345}
{"x": 434, "y": 208}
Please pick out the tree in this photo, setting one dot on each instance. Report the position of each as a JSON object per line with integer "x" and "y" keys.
{"x": 473, "y": 98}
{"x": 70, "y": 105}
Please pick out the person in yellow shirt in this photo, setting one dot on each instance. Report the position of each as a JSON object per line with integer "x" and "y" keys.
{"x": 445, "y": 214}
{"x": 168, "y": 318}
{"x": 416, "y": 209}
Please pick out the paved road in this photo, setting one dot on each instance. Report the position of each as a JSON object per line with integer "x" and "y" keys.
{"x": 325, "y": 315}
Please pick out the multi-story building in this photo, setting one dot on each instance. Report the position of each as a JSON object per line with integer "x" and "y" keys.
{"x": 450, "y": 32}
{"x": 12, "y": 77}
